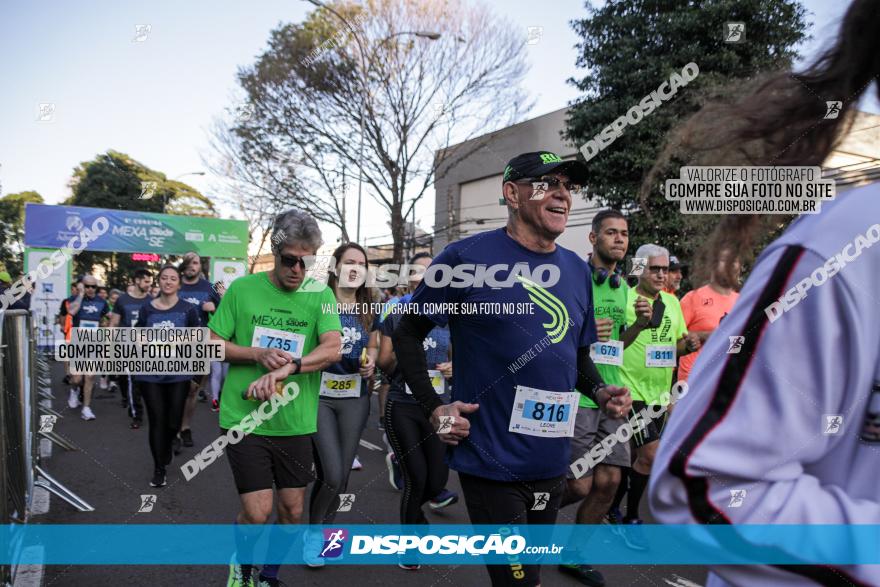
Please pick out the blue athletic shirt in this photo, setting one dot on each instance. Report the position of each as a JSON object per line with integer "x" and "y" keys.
{"x": 91, "y": 309}
{"x": 436, "y": 346}
{"x": 197, "y": 294}
{"x": 127, "y": 307}
{"x": 182, "y": 315}
{"x": 489, "y": 347}
{"x": 354, "y": 340}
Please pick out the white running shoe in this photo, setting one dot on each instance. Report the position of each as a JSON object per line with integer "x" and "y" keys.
{"x": 356, "y": 464}
{"x": 87, "y": 413}
{"x": 73, "y": 400}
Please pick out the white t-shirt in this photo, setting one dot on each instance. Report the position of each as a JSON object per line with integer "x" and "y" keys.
{"x": 783, "y": 418}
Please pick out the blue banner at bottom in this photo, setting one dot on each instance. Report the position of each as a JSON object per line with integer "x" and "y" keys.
{"x": 171, "y": 544}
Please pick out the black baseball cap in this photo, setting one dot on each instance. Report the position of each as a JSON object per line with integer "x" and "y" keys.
{"x": 674, "y": 263}
{"x": 539, "y": 163}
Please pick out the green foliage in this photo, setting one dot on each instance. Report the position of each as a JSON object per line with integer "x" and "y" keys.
{"x": 629, "y": 48}
{"x": 116, "y": 181}
{"x": 12, "y": 230}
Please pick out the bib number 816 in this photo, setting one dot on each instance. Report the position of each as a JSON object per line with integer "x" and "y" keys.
{"x": 553, "y": 413}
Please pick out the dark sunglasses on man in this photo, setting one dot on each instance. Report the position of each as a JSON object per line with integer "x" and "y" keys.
{"x": 291, "y": 261}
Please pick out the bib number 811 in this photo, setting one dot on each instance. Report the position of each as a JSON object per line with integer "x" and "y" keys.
{"x": 547, "y": 412}
{"x": 662, "y": 355}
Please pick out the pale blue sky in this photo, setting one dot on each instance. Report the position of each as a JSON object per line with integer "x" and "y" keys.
{"x": 155, "y": 99}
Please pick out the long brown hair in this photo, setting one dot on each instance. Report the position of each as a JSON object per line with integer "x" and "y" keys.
{"x": 362, "y": 295}
{"x": 780, "y": 121}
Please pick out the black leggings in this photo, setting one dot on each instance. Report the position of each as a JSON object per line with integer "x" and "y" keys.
{"x": 515, "y": 503}
{"x": 421, "y": 456}
{"x": 164, "y": 403}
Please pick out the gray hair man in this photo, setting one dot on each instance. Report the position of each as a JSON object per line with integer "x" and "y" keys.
{"x": 280, "y": 331}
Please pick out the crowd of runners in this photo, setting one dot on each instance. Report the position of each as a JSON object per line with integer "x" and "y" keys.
{"x": 567, "y": 404}
{"x": 614, "y": 354}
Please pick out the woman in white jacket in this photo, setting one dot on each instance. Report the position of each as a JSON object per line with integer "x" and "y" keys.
{"x": 782, "y": 432}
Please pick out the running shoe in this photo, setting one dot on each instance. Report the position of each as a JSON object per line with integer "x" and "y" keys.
{"x": 87, "y": 413}
{"x": 114, "y": 387}
{"x": 395, "y": 477}
{"x": 73, "y": 399}
{"x": 187, "y": 437}
{"x": 135, "y": 424}
{"x": 215, "y": 405}
{"x": 614, "y": 518}
{"x": 443, "y": 499}
{"x": 312, "y": 545}
{"x": 175, "y": 445}
{"x": 158, "y": 478}
{"x": 585, "y": 574}
{"x": 102, "y": 383}
{"x": 268, "y": 582}
{"x": 203, "y": 397}
{"x": 634, "y": 535}
{"x": 239, "y": 575}
{"x": 356, "y": 464}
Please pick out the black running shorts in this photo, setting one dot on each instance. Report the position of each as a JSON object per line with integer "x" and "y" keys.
{"x": 261, "y": 462}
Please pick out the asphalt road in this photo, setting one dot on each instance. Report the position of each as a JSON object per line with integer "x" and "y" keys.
{"x": 112, "y": 468}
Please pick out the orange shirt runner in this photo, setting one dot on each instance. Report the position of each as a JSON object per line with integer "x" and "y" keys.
{"x": 703, "y": 309}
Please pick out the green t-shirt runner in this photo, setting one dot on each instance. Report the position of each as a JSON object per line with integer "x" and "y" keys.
{"x": 608, "y": 302}
{"x": 254, "y": 312}
{"x": 646, "y": 383}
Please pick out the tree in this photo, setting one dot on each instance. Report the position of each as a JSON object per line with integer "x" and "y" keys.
{"x": 12, "y": 229}
{"x": 248, "y": 185}
{"x": 363, "y": 90}
{"x": 630, "y": 47}
{"x": 116, "y": 181}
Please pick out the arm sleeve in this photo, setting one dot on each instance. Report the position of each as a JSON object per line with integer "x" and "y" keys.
{"x": 411, "y": 362}
{"x": 588, "y": 379}
{"x": 753, "y": 420}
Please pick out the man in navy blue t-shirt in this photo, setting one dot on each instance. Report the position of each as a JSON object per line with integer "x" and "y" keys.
{"x": 125, "y": 313}
{"x": 519, "y": 309}
{"x": 87, "y": 310}
{"x": 199, "y": 292}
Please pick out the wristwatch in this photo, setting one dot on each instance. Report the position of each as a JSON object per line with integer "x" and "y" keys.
{"x": 298, "y": 363}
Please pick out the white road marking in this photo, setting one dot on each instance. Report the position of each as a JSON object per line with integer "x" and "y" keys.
{"x": 45, "y": 448}
{"x": 30, "y": 575}
{"x": 679, "y": 581}
{"x": 369, "y": 445}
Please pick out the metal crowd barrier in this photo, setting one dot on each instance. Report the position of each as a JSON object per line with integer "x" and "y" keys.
{"x": 24, "y": 380}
